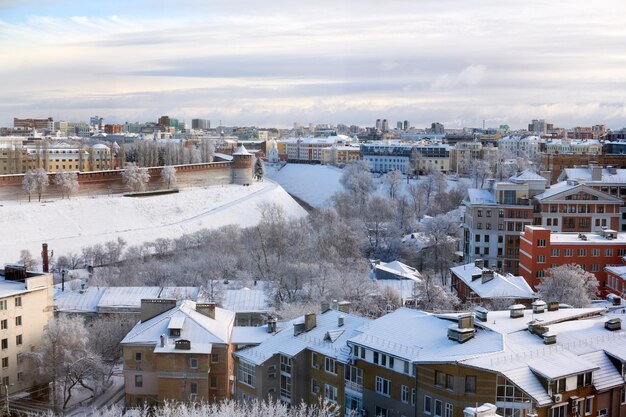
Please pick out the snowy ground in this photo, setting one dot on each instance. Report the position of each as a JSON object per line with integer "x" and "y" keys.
{"x": 315, "y": 184}
{"x": 68, "y": 225}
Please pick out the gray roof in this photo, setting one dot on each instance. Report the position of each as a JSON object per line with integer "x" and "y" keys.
{"x": 481, "y": 196}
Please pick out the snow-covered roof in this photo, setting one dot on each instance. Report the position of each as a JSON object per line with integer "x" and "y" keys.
{"x": 528, "y": 175}
{"x": 606, "y": 376}
{"x": 597, "y": 238}
{"x": 246, "y": 300}
{"x": 202, "y": 331}
{"x": 501, "y": 286}
{"x": 241, "y": 151}
{"x": 247, "y": 335}
{"x": 224, "y": 156}
{"x": 567, "y": 186}
{"x": 619, "y": 270}
{"x": 398, "y": 269}
{"x": 585, "y": 174}
{"x": 481, "y": 196}
{"x": 126, "y": 297}
{"x": 422, "y": 241}
{"x": 284, "y": 342}
{"x": 8, "y": 288}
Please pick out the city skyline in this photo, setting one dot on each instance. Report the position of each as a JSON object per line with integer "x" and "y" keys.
{"x": 351, "y": 62}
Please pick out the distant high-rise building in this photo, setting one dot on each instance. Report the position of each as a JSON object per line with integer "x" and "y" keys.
{"x": 399, "y": 125}
{"x": 437, "y": 128}
{"x": 385, "y": 127}
{"x": 406, "y": 125}
{"x": 164, "y": 121}
{"x": 200, "y": 124}
{"x": 34, "y": 123}
{"x": 379, "y": 124}
{"x": 538, "y": 126}
{"x": 96, "y": 122}
{"x": 112, "y": 129}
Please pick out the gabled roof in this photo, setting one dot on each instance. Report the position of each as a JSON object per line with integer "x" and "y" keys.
{"x": 528, "y": 175}
{"x": 326, "y": 338}
{"x": 565, "y": 188}
{"x": 400, "y": 270}
{"x": 607, "y": 376}
{"x": 202, "y": 331}
{"x": 500, "y": 286}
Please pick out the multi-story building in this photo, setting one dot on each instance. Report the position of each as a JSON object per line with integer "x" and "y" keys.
{"x": 609, "y": 180}
{"x": 464, "y": 154}
{"x": 34, "y": 123}
{"x": 520, "y": 146}
{"x": 473, "y": 283}
{"x": 200, "y": 124}
{"x": 437, "y": 128}
{"x": 26, "y": 307}
{"x": 541, "y": 249}
{"x": 340, "y": 155}
{"x": 564, "y": 146}
{"x": 17, "y": 158}
{"x": 180, "y": 352}
{"x": 304, "y": 362}
{"x": 67, "y": 129}
{"x": 616, "y": 279}
{"x": 538, "y": 126}
{"x": 113, "y": 129}
{"x": 309, "y": 149}
{"x": 397, "y": 157}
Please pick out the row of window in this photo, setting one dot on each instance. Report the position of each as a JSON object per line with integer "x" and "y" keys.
{"x": 4, "y": 303}
{"x": 436, "y": 409}
{"x": 4, "y": 323}
{"x": 4, "y": 343}
{"x": 569, "y": 252}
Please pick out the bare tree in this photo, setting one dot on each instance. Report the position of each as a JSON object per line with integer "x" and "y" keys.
{"x": 105, "y": 334}
{"x": 28, "y": 183}
{"x": 135, "y": 177}
{"x": 569, "y": 284}
{"x": 430, "y": 296}
{"x": 441, "y": 232}
{"x": 392, "y": 181}
{"x": 357, "y": 180}
{"x": 26, "y": 259}
{"x": 67, "y": 181}
{"x": 168, "y": 176}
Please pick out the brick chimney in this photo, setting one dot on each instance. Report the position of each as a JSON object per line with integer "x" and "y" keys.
{"x": 310, "y": 321}
{"x": 207, "y": 309}
{"x": 44, "y": 257}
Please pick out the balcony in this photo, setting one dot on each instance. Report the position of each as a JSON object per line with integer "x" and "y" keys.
{"x": 353, "y": 386}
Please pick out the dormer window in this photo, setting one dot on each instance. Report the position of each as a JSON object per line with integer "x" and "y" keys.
{"x": 174, "y": 332}
{"x": 558, "y": 386}
{"x": 584, "y": 379}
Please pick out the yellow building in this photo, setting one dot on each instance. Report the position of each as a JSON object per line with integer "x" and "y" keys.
{"x": 26, "y": 307}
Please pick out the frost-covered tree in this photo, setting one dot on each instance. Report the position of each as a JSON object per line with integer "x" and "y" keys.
{"x": 41, "y": 182}
{"x": 67, "y": 181}
{"x": 259, "y": 169}
{"x": 357, "y": 180}
{"x": 26, "y": 259}
{"x": 105, "y": 334}
{"x": 440, "y": 232}
{"x": 168, "y": 176}
{"x": 28, "y": 183}
{"x": 392, "y": 181}
{"x": 64, "y": 358}
{"x": 431, "y": 296}
{"x": 135, "y": 177}
{"x": 569, "y": 284}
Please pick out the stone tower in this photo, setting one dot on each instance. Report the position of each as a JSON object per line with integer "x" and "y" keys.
{"x": 242, "y": 166}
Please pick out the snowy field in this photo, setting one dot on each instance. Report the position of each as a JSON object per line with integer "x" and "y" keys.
{"x": 68, "y": 225}
{"x": 315, "y": 184}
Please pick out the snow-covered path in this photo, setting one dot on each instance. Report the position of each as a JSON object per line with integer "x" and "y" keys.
{"x": 68, "y": 225}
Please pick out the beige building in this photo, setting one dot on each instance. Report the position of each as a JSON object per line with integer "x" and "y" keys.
{"x": 26, "y": 307}
{"x": 179, "y": 351}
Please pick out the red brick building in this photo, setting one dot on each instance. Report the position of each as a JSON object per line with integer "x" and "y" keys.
{"x": 540, "y": 250}
{"x": 616, "y": 279}
{"x": 113, "y": 129}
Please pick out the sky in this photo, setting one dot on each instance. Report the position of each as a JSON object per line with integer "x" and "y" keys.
{"x": 273, "y": 63}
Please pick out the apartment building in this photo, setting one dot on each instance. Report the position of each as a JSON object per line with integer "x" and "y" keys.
{"x": 616, "y": 279}
{"x": 340, "y": 155}
{"x": 305, "y": 361}
{"x": 179, "y": 351}
{"x": 25, "y": 309}
{"x": 541, "y": 249}
{"x": 309, "y": 149}
{"x": 564, "y": 146}
{"x": 34, "y": 123}
{"x": 17, "y": 158}
{"x": 520, "y": 146}
{"x": 386, "y": 157}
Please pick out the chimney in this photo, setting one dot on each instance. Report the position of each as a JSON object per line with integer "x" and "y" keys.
{"x": 517, "y": 311}
{"x": 479, "y": 263}
{"x": 206, "y": 309}
{"x": 162, "y": 340}
{"x": 539, "y": 306}
{"x": 537, "y": 327}
{"x": 344, "y": 306}
{"x": 153, "y": 307}
{"x": 298, "y": 328}
{"x": 613, "y": 324}
{"x": 596, "y": 173}
{"x": 553, "y": 306}
{"x": 481, "y": 313}
{"x": 549, "y": 338}
{"x": 466, "y": 321}
{"x": 486, "y": 276}
{"x": 340, "y": 320}
{"x": 44, "y": 257}
{"x": 271, "y": 325}
{"x": 309, "y": 321}
{"x": 325, "y": 306}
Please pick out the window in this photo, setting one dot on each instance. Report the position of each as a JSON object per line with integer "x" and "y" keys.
{"x": 449, "y": 410}
{"x": 4, "y": 324}
{"x": 486, "y": 239}
{"x": 488, "y": 226}
{"x": 594, "y": 268}
{"x": 215, "y": 357}
{"x": 560, "y": 411}
{"x": 18, "y": 339}
{"x": 541, "y": 243}
{"x": 18, "y": 320}
{"x": 449, "y": 382}
{"x": 213, "y": 382}
{"x": 20, "y": 376}
{"x": 18, "y": 301}
{"x": 330, "y": 393}
{"x": 595, "y": 252}
{"x": 330, "y": 366}
{"x": 193, "y": 388}
{"x": 404, "y": 394}
{"x": 540, "y": 274}
{"x": 353, "y": 375}
{"x": 470, "y": 384}
{"x": 500, "y": 213}
{"x": 584, "y": 379}
{"x": 381, "y": 412}
{"x": 488, "y": 213}
{"x": 477, "y": 238}
{"x": 428, "y": 405}
{"x": 193, "y": 363}
{"x": 554, "y": 253}
{"x": 622, "y": 396}
{"x": 588, "y": 405}
{"x": 480, "y": 213}
{"x": 246, "y": 373}
{"x": 314, "y": 358}
{"x": 438, "y": 407}
{"x": 3, "y": 304}
{"x": 558, "y": 386}
{"x": 582, "y": 252}
{"x": 541, "y": 259}
{"x": 5, "y": 343}
{"x": 439, "y": 378}
{"x": 5, "y": 380}
{"x": 175, "y": 332}
{"x": 139, "y": 381}
{"x": 137, "y": 356}
{"x": 413, "y": 396}
{"x": 383, "y": 386}
{"x": 500, "y": 226}
{"x": 479, "y": 226}
{"x": 608, "y": 252}
{"x": 569, "y": 252}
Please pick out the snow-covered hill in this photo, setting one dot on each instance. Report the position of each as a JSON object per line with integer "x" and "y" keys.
{"x": 313, "y": 184}
{"x": 68, "y": 225}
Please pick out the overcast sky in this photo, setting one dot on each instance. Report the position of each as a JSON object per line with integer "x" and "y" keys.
{"x": 272, "y": 63}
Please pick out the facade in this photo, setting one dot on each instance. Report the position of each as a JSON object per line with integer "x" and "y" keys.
{"x": 34, "y": 123}
{"x": 397, "y": 157}
{"x": 200, "y": 124}
{"x": 340, "y": 155}
{"x": 616, "y": 279}
{"x": 541, "y": 249}
{"x": 180, "y": 352}
{"x": 306, "y": 361}
{"x": 26, "y": 307}
{"x": 113, "y": 129}
{"x": 310, "y": 149}
{"x": 473, "y": 283}
{"x": 582, "y": 147}
{"x": 520, "y": 146}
